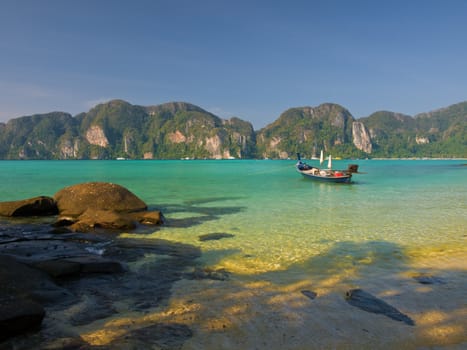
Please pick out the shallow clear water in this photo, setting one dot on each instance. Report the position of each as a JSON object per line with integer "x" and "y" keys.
{"x": 397, "y": 209}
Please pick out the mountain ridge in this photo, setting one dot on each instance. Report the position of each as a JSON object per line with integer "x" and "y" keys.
{"x": 179, "y": 129}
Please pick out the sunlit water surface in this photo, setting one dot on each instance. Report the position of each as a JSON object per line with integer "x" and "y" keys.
{"x": 397, "y": 209}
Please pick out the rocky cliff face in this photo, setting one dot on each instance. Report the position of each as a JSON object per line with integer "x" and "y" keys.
{"x": 171, "y": 130}
{"x": 361, "y": 138}
{"x": 69, "y": 149}
{"x": 306, "y": 130}
{"x": 96, "y": 136}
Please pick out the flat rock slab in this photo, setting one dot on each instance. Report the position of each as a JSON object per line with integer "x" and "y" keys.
{"x": 60, "y": 258}
{"x": 22, "y": 281}
{"x": 367, "y": 302}
{"x": 42, "y": 250}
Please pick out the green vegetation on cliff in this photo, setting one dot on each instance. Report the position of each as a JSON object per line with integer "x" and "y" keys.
{"x": 178, "y": 130}
{"x": 308, "y": 130}
{"x": 440, "y": 133}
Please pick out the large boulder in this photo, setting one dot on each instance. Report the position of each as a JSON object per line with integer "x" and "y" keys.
{"x": 75, "y": 200}
{"x": 101, "y": 205}
{"x": 37, "y": 206}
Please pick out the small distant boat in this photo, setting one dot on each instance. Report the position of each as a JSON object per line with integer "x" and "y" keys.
{"x": 325, "y": 175}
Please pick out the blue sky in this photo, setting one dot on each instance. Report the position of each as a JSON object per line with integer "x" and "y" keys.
{"x": 250, "y": 59}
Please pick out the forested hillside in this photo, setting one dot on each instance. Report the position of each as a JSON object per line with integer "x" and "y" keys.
{"x": 118, "y": 129}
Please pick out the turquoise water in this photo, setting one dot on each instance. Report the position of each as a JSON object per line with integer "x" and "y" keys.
{"x": 280, "y": 221}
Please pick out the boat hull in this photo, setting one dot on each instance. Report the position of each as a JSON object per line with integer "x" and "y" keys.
{"x": 333, "y": 179}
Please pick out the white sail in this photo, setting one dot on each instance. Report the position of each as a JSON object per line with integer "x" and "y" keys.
{"x": 321, "y": 158}
{"x": 329, "y": 162}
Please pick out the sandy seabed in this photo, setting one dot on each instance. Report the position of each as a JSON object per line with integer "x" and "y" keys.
{"x": 258, "y": 314}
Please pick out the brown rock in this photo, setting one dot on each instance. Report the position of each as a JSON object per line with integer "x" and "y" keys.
{"x": 153, "y": 217}
{"x": 106, "y": 219}
{"x": 37, "y": 206}
{"x": 75, "y": 200}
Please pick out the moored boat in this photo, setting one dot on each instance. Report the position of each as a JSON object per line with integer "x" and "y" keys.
{"x": 326, "y": 175}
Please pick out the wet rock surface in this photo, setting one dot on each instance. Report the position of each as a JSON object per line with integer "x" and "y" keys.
{"x": 367, "y": 302}
{"x": 71, "y": 273}
{"x": 78, "y": 278}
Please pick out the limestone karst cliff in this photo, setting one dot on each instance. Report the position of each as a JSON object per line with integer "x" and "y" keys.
{"x": 182, "y": 130}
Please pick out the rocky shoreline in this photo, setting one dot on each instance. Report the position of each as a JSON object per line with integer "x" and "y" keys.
{"x": 56, "y": 282}
{"x": 55, "y": 250}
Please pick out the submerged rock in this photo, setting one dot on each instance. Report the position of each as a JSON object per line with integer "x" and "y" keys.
{"x": 428, "y": 279}
{"x": 215, "y": 236}
{"x": 208, "y": 273}
{"x": 309, "y": 294}
{"x": 160, "y": 335}
{"x": 367, "y": 302}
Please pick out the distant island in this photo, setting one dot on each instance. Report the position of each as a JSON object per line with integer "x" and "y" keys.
{"x": 179, "y": 130}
